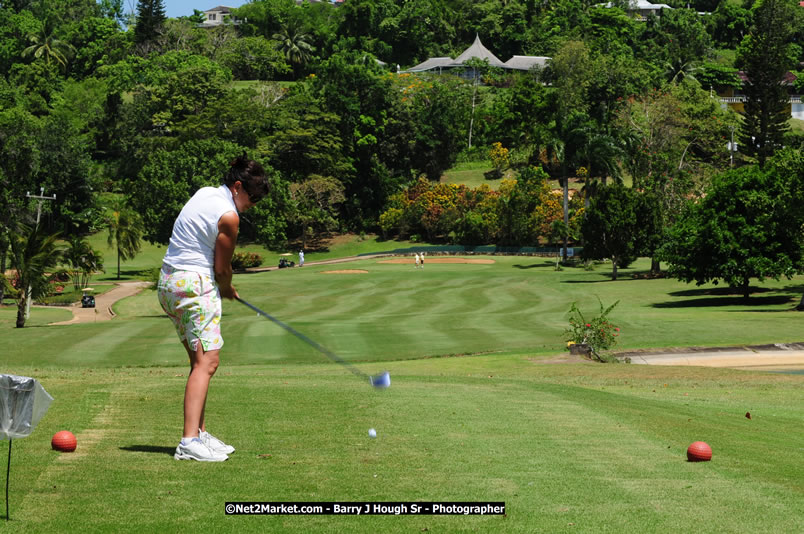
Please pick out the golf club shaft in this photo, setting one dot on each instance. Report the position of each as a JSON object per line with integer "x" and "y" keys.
{"x": 328, "y": 353}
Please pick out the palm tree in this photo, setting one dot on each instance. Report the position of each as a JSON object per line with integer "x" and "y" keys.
{"x": 678, "y": 69}
{"x": 294, "y": 44}
{"x": 564, "y": 143}
{"x": 83, "y": 261}
{"x": 45, "y": 44}
{"x": 33, "y": 255}
{"x": 125, "y": 232}
{"x": 603, "y": 154}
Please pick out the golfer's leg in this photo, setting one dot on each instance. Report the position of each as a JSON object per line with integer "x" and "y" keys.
{"x": 203, "y": 365}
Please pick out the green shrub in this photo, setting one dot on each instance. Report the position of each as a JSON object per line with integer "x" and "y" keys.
{"x": 61, "y": 298}
{"x": 245, "y": 260}
{"x": 598, "y": 333}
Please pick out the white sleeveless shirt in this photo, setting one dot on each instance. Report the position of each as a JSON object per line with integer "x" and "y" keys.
{"x": 192, "y": 244}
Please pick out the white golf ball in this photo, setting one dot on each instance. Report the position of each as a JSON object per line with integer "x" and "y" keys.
{"x": 372, "y": 433}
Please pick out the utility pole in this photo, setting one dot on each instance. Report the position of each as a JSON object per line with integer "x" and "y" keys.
{"x": 40, "y": 197}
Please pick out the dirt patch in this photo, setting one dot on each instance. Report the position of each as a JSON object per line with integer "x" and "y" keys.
{"x": 346, "y": 271}
{"x": 447, "y": 259}
{"x": 563, "y": 358}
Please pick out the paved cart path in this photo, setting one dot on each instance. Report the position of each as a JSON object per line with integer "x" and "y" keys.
{"x": 774, "y": 357}
{"x": 103, "y": 304}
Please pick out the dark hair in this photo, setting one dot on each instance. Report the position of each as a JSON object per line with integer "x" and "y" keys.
{"x": 249, "y": 173}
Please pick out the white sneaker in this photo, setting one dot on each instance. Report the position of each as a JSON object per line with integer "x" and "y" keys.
{"x": 196, "y": 450}
{"x": 214, "y": 443}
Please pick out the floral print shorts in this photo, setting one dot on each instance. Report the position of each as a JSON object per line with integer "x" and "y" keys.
{"x": 193, "y": 303}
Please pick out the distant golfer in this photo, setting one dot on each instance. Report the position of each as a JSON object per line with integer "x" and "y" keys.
{"x": 422, "y": 261}
{"x": 418, "y": 260}
{"x": 301, "y": 258}
{"x": 196, "y": 273}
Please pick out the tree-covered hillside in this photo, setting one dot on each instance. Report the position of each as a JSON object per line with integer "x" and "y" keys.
{"x": 95, "y": 100}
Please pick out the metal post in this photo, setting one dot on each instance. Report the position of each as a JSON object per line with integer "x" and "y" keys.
{"x": 41, "y": 196}
{"x": 731, "y": 148}
{"x": 8, "y": 476}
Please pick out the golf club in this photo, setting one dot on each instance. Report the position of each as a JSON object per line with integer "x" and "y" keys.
{"x": 381, "y": 381}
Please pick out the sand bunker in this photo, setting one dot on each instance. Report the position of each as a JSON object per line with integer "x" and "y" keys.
{"x": 447, "y": 259}
{"x": 346, "y": 271}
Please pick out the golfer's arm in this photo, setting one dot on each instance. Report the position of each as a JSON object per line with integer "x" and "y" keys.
{"x": 224, "y": 249}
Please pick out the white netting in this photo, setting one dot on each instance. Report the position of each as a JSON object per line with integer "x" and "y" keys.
{"x": 23, "y": 402}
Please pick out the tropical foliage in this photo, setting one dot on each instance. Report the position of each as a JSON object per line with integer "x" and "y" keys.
{"x": 748, "y": 227}
{"x": 94, "y": 100}
{"x": 34, "y": 255}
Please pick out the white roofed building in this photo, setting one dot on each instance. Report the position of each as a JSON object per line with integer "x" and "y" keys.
{"x": 217, "y": 16}
{"x": 641, "y": 9}
{"x": 527, "y": 62}
{"x": 477, "y": 50}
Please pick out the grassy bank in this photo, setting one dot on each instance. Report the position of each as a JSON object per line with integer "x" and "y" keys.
{"x": 473, "y": 412}
{"x": 567, "y": 448}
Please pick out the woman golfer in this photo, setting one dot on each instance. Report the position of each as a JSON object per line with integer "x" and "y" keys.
{"x": 196, "y": 273}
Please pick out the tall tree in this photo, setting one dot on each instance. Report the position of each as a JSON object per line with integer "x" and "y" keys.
{"x": 45, "y": 44}
{"x": 571, "y": 74}
{"x": 83, "y": 261}
{"x": 765, "y": 58}
{"x": 569, "y": 136}
{"x": 125, "y": 232}
{"x": 747, "y": 226}
{"x": 150, "y": 16}
{"x": 684, "y": 40}
{"x": 294, "y": 43}
{"x": 315, "y": 206}
{"x": 620, "y": 224}
{"x": 374, "y": 131}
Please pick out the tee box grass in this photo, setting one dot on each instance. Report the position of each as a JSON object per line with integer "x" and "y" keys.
{"x": 474, "y": 412}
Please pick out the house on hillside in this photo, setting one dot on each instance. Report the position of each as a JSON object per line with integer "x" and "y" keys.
{"x": 735, "y": 98}
{"x": 642, "y": 9}
{"x": 218, "y": 16}
{"x": 440, "y": 65}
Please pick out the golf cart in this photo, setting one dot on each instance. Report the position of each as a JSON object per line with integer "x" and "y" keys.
{"x": 87, "y": 300}
{"x": 283, "y": 262}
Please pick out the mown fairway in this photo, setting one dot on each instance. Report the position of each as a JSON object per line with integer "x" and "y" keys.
{"x": 395, "y": 312}
{"x": 568, "y": 447}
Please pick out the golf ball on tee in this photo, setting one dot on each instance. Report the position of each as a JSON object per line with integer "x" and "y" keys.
{"x": 372, "y": 433}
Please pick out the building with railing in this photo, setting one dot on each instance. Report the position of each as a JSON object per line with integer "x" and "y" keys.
{"x": 735, "y": 99}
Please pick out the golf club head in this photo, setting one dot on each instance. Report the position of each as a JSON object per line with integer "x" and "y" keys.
{"x": 381, "y": 381}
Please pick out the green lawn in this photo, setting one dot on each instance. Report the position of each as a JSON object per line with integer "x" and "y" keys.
{"x": 590, "y": 448}
{"x": 473, "y": 412}
{"x": 151, "y": 255}
{"x": 394, "y": 312}
{"x": 472, "y": 174}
